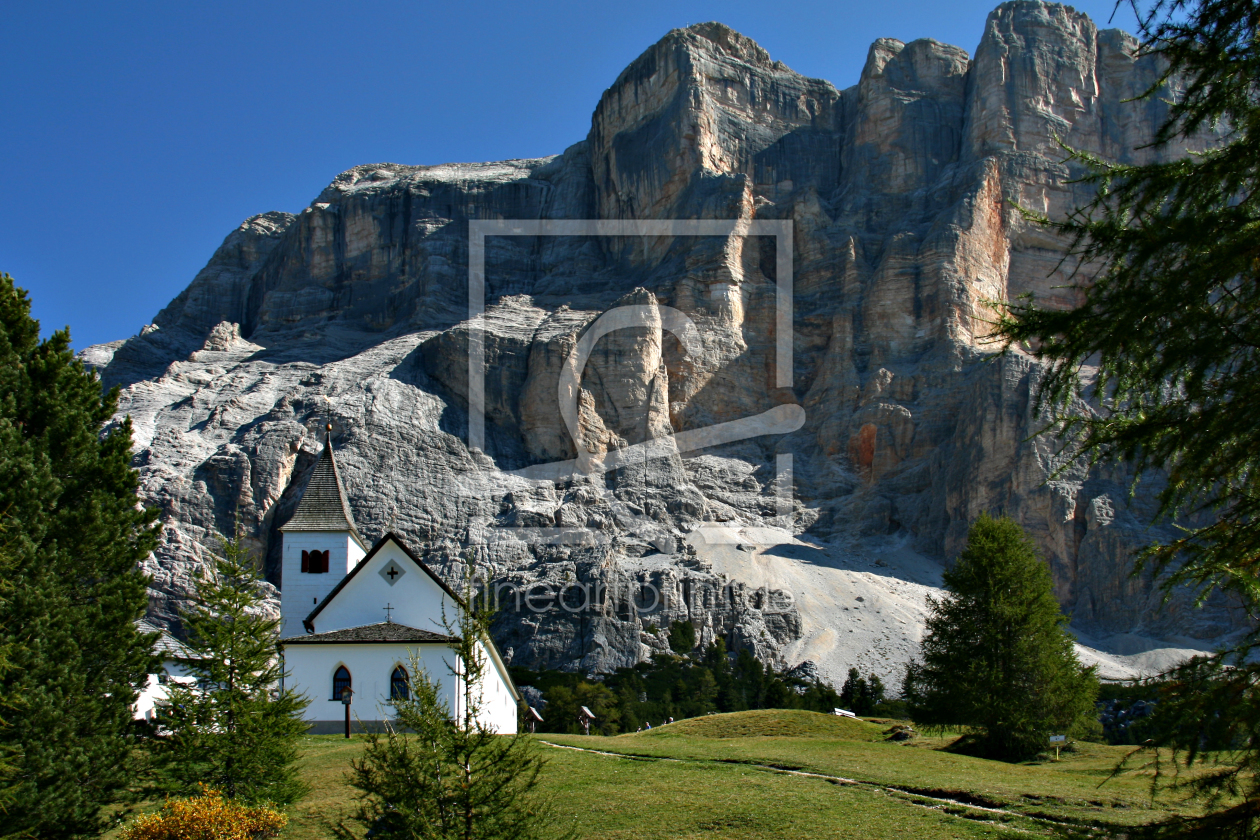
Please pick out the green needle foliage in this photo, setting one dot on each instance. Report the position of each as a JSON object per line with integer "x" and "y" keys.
{"x": 432, "y": 775}
{"x": 682, "y": 637}
{"x": 1169, "y": 284}
{"x": 997, "y": 659}
{"x": 861, "y": 695}
{"x": 75, "y": 537}
{"x": 8, "y": 768}
{"x": 1168, "y": 257}
{"x": 563, "y": 705}
{"x": 673, "y": 686}
{"x": 235, "y": 731}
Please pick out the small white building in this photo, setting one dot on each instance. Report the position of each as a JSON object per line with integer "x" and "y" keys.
{"x": 364, "y": 613}
{"x": 174, "y": 669}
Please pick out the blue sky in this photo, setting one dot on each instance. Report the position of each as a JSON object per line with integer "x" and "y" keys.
{"x": 136, "y": 136}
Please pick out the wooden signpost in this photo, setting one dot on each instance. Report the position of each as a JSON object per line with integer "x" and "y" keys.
{"x": 346, "y": 694}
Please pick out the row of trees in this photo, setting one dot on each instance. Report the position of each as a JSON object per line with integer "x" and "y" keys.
{"x": 864, "y": 696}
{"x": 690, "y": 683}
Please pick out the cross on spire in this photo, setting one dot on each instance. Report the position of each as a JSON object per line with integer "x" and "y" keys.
{"x": 388, "y": 609}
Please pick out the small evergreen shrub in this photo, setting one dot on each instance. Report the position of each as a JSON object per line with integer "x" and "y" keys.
{"x": 682, "y": 637}
{"x": 207, "y": 816}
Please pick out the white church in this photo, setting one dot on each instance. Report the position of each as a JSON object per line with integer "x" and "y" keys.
{"x": 352, "y": 615}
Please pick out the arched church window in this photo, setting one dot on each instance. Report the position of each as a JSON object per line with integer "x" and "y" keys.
{"x": 341, "y": 681}
{"x": 315, "y": 562}
{"x": 399, "y": 684}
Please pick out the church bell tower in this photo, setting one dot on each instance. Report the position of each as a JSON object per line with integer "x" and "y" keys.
{"x": 320, "y": 544}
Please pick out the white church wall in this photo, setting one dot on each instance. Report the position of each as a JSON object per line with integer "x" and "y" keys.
{"x": 301, "y": 592}
{"x": 311, "y": 669}
{"x": 497, "y": 699}
{"x": 416, "y": 599}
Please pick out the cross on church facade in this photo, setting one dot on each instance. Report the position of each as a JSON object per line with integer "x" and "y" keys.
{"x": 388, "y": 609}
{"x": 392, "y": 572}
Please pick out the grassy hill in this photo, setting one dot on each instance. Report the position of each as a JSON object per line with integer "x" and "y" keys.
{"x": 766, "y": 723}
{"x": 788, "y": 774}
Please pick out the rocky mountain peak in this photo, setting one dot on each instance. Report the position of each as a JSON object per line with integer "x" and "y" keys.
{"x": 639, "y": 439}
{"x": 922, "y": 66}
{"x": 733, "y": 44}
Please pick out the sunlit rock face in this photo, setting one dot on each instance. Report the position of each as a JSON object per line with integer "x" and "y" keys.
{"x": 901, "y": 192}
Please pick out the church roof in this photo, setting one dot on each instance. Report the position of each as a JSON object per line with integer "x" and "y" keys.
{"x": 166, "y": 645}
{"x": 309, "y": 621}
{"x": 323, "y": 505}
{"x": 386, "y": 631}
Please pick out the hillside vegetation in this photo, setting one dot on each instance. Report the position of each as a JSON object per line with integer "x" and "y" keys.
{"x": 770, "y": 723}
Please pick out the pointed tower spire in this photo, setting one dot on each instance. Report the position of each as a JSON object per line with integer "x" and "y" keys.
{"x": 319, "y": 545}
{"x": 323, "y": 506}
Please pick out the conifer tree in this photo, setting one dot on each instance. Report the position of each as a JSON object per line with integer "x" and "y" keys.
{"x": 1169, "y": 279}
{"x": 434, "y": 774}
{"x": 874, "y": 694}
{"x": 627, "y": 712}
{"x": 563, "y": 703}
{"x": 853, "y": 692}
{"x": 1169, "y": 315}
{"x": 7, "y": 767}
{"x": 236, "y": 730}
{"x": 997, "y": 660}
{"x": 861, "y": 694}
{"x": 706, "y": 694}
{"x": 75, "y": 536}
{"x": 750, "y": 675}
{"x": 682, "y": 637}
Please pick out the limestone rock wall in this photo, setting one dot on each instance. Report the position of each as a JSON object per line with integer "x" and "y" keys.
{"x": 900, "y": 190}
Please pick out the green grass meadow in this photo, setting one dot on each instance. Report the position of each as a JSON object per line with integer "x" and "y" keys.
{"x": 724, "y": 777}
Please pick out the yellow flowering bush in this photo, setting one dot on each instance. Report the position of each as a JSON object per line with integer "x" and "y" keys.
{"x": 207, "y": 816}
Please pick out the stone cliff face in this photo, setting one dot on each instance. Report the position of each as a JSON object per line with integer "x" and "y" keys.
{"x": 900, "y": 192}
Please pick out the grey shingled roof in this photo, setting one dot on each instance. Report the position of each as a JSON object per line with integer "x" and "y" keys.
{"x": 166, "y": 645}
{"x": 323, "y": 506}
{"x": 386, "y": 631}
